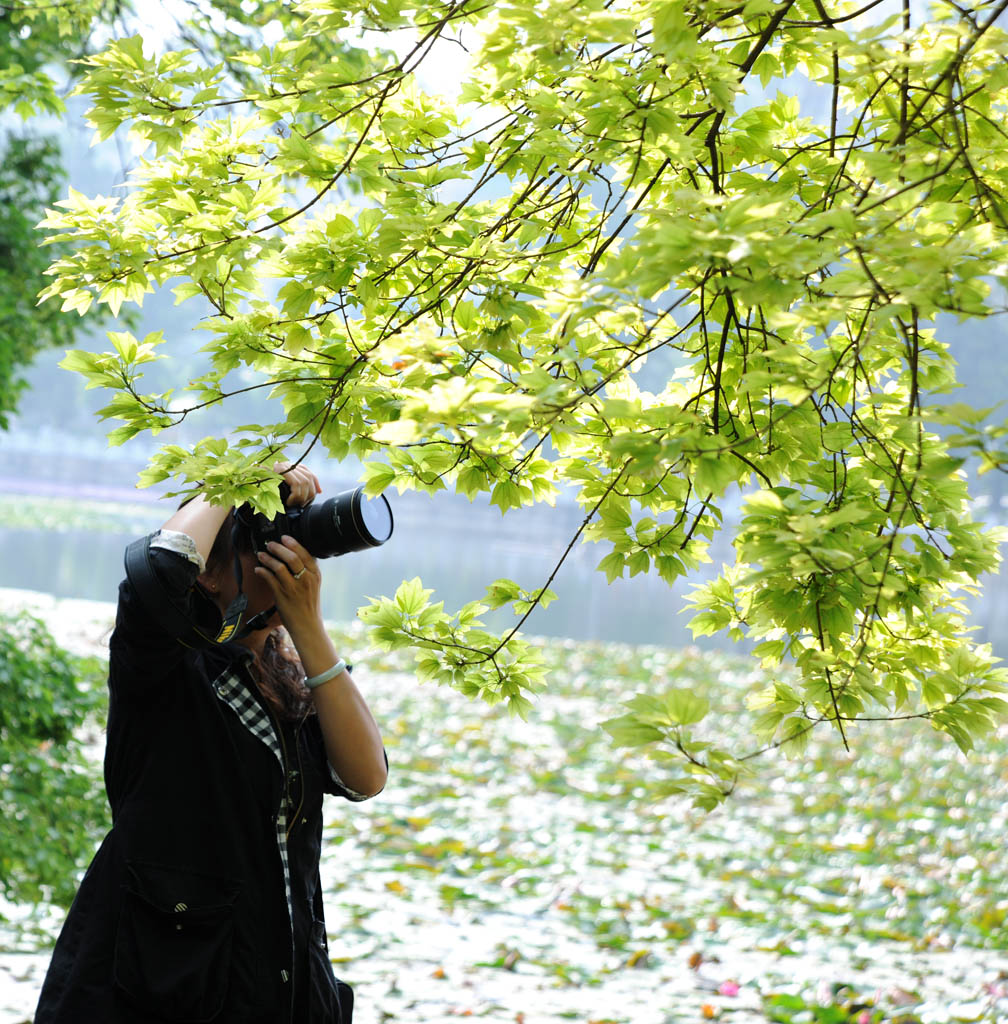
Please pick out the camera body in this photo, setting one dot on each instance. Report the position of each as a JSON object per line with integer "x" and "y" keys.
{"x": 349, "y": 522}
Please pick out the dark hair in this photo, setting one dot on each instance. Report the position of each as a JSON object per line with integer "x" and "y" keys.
{"x": 280, "y": 678}
{"x": 277, "y": 672}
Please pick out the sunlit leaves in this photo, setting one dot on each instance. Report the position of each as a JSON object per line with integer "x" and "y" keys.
{"x": 31, "y": 177}
{"x": 487, "y": 313}
{"x": 706, "y": 772}
{"x": 457, "y": 650}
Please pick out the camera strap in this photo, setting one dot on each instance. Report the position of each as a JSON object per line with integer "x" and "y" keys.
{"x": 175, "y": 618}
{"x": 258, "y": 621}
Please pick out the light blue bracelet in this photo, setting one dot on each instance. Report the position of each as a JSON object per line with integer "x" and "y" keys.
{"x": 324, "y": 677}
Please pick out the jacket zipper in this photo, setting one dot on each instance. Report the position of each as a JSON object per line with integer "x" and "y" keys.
{"x": 300, "y": 774}
{"x": 285, "y": 798}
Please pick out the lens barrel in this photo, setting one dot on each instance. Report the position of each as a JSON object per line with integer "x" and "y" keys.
{"x": 349, "y": 522}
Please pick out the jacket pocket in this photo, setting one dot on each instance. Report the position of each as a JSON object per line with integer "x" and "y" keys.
{"x": 330, "y": 1000}
{"x": 172, "y": 953}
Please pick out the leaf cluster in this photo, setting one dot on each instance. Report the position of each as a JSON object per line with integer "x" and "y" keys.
{"x": 602, "y": 275}
{"x": 48, "y": 698}
{"x": 31, "y": 177}
{"x": 41, "y": 46}
{"x": 457, "y": 650}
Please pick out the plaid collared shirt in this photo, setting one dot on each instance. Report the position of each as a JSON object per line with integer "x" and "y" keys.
{"x": 230, "y": 689}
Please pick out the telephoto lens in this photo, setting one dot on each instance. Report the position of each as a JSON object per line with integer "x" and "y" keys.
{"x": 349, "y": 522}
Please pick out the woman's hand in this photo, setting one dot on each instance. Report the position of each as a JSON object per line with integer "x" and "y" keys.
{"x": 352, "y": 739}
{"x": 292, "y": 574}
{"x": 303, "y": 483}
{"x": 290, "y": 570}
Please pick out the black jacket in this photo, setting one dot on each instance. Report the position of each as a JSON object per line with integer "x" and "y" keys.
{"x": 183, "y": 913}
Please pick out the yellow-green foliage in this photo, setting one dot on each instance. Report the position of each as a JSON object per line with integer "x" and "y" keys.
{"x": 611, "y": 188}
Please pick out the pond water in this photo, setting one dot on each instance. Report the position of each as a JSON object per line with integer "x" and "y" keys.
{"x": 442, "y": 544}
{"x": 65, "y": 533}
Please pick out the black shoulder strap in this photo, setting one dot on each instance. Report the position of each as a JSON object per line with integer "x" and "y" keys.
{"x": 159, "y": 602}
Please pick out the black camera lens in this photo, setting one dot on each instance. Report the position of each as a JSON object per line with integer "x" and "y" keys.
{"x": 349, "y": 522}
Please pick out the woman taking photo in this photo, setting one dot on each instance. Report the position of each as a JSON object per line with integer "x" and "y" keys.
{"x": 203, "y": 903}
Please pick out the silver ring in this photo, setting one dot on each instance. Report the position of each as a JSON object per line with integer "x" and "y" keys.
{"x": 298, "y": 575}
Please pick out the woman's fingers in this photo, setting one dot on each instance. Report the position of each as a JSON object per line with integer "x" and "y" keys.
{"x": 290, "y": 556}
{"x": 303, "y": 483}
{"x": 293, "y": 579}
{"x": 295, "y": 554}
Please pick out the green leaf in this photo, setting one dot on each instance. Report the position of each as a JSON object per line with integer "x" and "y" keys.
{"x": 411, "y": 597}
{"x": 378, "y": 477}
{"x": 627, "y": 731}
{"x": 612, "y": 565}
{"x": 506, "y": 495}
{"x": 686, "y": 708}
